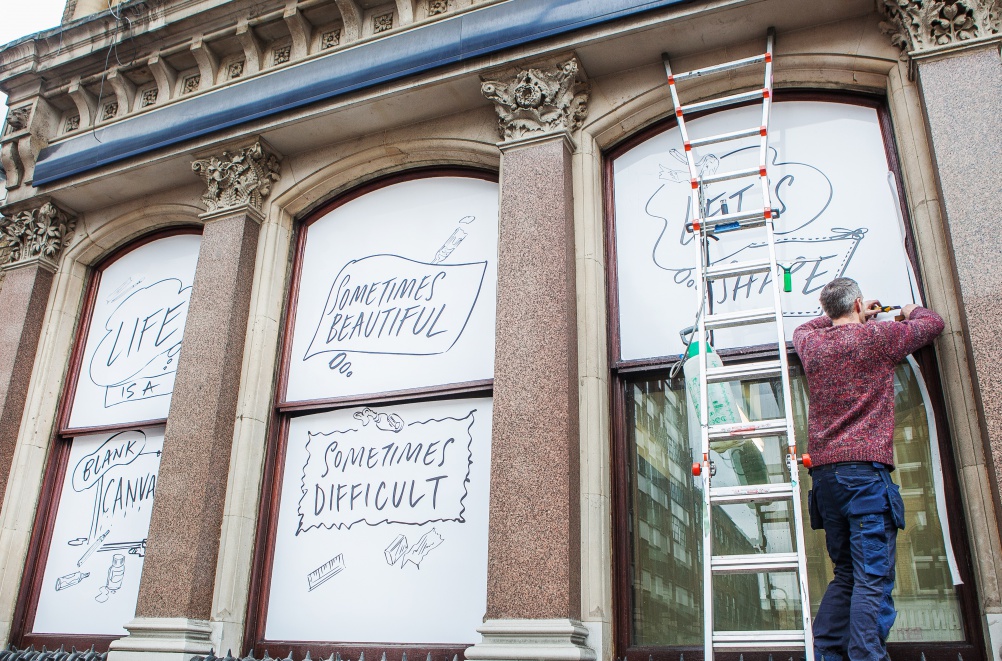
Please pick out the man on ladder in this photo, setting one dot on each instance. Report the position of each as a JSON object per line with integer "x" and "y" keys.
{"x": 849, "y": 359}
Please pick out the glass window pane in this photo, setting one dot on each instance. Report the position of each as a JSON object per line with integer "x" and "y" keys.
{"x": 666, "y": 502}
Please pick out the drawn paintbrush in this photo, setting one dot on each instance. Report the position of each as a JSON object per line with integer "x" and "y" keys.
{"x": 93, "y": 547}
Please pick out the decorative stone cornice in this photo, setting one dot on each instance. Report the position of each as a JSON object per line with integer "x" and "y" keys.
{"x": 539, "y": 100}
{"x": 36, "y": 234}
{"x": 920, "y": 26}
{"x": 238, "y": 179}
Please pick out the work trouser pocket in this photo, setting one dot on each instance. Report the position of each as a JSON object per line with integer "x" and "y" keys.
{"x": 817, "y": 523}
{"x": 895, "y": 501}
{"x": 872, "y": 537}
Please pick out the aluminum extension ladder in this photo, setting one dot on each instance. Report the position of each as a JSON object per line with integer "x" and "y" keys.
{"x": 704, "y": 225}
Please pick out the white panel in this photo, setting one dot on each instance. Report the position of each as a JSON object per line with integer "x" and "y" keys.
{"x": 382, "y": 525}
{"x": 398, "y": 291}
{"x": 829, "y": 177}
{"x": 129, "y": 362}
{"x": 95, "y": 559}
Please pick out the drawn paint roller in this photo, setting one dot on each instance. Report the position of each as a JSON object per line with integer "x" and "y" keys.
{"x": 325, "y": 572}
{"x": 93, "y": 547}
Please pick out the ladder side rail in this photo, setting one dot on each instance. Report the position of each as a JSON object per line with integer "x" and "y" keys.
{"x": 791, "y": 440}
{"x": 791, "y": 454}
{"x": 683, "y": 132}
{"x": 704, "y": 429}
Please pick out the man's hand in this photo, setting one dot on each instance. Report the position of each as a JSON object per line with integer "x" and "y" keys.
{"x": 871, "y": 309}
{"x": 906, "y": 311}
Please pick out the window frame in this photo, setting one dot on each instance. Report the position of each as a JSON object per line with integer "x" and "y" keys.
{"x": 283, "y": 411}
{"x": 56, "y": 461}
{"x": 623, "y": 372}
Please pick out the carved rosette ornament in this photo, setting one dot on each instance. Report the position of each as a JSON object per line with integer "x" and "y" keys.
{"x": 238, "y": 179}
{"x": 35, "y": 234}
{"x": 924, "y": 25}
{"x": 540, "y": 100}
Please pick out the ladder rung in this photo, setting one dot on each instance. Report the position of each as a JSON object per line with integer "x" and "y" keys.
{"x": 734, "y": 174}
{"x": 734, "y": 269}
{"x": 759, "y": 493}
{"x": 754, "y": 218}
{"x": 765, "y": 369}
{"x": 754, "y": 563}
{"x": 756, "y": 429}
{"x": 724, "y": 137}
{"x": 717, "y": 68}
{"x": 759, "y": 639}
{"x": 730, "y": 100}
{"x": 739, "y": 318}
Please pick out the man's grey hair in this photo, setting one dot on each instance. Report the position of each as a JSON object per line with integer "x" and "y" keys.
{"x": 838, "y": 296}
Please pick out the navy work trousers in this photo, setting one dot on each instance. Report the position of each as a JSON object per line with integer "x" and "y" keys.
{"x": 860, "y": 510}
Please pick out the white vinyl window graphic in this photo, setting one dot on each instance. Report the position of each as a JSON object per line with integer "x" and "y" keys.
{"x": 398, "y": 291}
{"x": 95, "y": 558}
{"x": 384, "y": 502}
{"x": 839, "y": 216}
{"x": 134, "y": 339}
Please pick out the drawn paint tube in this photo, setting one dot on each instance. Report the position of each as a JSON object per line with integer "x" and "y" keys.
{"x": 450, "y": 244}
{"x": 70, "y": 580}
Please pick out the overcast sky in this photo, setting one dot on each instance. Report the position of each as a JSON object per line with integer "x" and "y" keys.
{"x": 23, "y": 18}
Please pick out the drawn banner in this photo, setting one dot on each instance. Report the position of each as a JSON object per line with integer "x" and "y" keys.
{"x": 386, "y": 471}
{"x": 387, "y": 304}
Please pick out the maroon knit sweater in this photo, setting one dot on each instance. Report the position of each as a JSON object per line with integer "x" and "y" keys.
{"x": 850, "y": 375}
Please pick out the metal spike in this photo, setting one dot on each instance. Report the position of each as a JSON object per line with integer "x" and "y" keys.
{"x": 404, "y": 657}
{"x": 307, "y": 657}
{"x": 361, "y": 656}
{"x": 289, "y": 657}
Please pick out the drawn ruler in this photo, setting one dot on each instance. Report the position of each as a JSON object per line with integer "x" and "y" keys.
{"x": 325, "y": 572}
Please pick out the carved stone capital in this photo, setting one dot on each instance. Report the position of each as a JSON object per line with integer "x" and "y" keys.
{"x": 919, "y": 26}
{"x": 538, "y": 100}
{"x": 241, "y": 178}
{"x": 37, "y": 234}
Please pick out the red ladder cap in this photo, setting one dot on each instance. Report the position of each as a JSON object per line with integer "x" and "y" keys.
{"x": 768, "y": 57}
{"x": 687, "y": 145}
{"x": 763, "y": 130}
{"x": 678, "y": 112}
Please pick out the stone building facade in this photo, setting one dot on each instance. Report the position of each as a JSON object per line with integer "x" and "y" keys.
{"x": 426, "y": 258}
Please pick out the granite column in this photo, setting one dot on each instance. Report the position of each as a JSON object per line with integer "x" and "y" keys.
{"x": 31, "y": 241}
{"x": 956, "y": 61}
{"x": 175, "y": 594}
{"x": 534, "y": 549}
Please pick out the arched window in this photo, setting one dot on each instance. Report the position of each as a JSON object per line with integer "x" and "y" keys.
{"x": 378, "y": 477}
{"x": 82, "y": 576}
{"x": 834, "y": 181}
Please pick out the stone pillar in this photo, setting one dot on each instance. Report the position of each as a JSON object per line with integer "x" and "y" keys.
{"x": 31, "y": 241}
{"x": 534, "y": 548}
{"x": 953, "y": 50}
{"x": 175, "y": 594}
